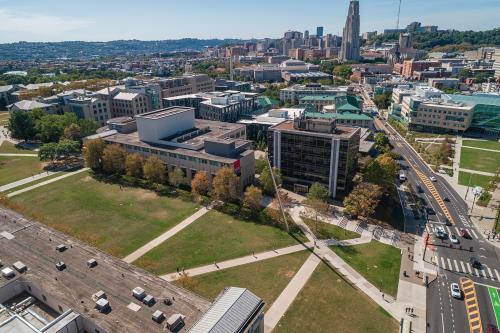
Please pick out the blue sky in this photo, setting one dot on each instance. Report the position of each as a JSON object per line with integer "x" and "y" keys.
{"x": 103, "y": 20}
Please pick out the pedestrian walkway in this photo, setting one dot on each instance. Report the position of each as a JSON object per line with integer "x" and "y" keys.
{"x": 18, "y": 155}
{"x": 288, "y": 295}
{"x": 50, "y": 181}
{"x": 239, "y": 261}
{"x": 485, "y": 149}
{"x": 26, "y": 180}
{"x": 163, "y": 237}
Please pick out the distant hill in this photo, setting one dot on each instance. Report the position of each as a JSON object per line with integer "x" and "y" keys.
{"x": 78, "y": 49}
{"x": 448, "y": 40}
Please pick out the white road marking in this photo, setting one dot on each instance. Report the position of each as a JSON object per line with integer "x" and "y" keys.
{"x": 443, "y": 265}
{"x": 458, "y": 231}
{"x": 468, "y": 268}
{"x": 490, "y": 272}
{"x": 496, "y": 273}
{"x": 448, "y": 229}
{"x": 456, "y": 265}
{"x": 462, "y": 265}
{"x": 483, "y": 273}
{"x": 476, "y": 271}
{"x": 472, "y": 230}
{"x": 449, "y": 263}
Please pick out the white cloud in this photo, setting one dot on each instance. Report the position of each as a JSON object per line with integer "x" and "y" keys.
{"x": 39, "y": 24}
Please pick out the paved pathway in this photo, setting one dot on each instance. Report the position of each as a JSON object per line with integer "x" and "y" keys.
{"x": 288, "y": 295}
{"x": 18, "y": 155}
{"x": 26, "y": 180}
{"x": 52, "y": 180}
{"x": 478, "y": 172}
{"x": 163, "y": 237}
{"x": 240, "y": 261}
{"x": 485, "y": 149}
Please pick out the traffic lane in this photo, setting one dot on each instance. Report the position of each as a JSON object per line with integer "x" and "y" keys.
{"x": 457, "y": 307}
{"x": 435, "y": 308}
{"x": 485, "y": 306}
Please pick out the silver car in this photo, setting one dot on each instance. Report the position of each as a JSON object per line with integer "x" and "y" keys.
{"x": 455, "y": 291}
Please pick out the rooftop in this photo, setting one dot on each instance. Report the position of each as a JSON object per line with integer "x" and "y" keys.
{"x": 127, "y": 96}
{"x": 340, "y": 115}
{"x": 343, "y": 132}
{"x": 34, "y": 244}
{"x": 164, "y": 113}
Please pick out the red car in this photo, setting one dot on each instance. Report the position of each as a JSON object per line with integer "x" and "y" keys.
{"x": 464, "y": 233}
{"x": 492, "y": 329}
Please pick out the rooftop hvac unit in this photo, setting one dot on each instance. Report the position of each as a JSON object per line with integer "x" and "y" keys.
{"x": 139, "y": 293}
{"x": 175, "y": 321}
{"x": 8, "y": 273}
{"x": 149, "y": 300}
{"x": 158, "y": 316}
{"x": 20, "y": 267}
{"x": 91, "y": 263}
{"x": 102, "y": 305}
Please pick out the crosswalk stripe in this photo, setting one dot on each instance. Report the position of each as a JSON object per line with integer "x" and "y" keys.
{"x": 428, "y": 229}
{"x": 476, "y": 271}
{"x": 456, "y": 265}
{"x": 457, "y": 231}
{"x": 449, "y": 230}
{"x": 443, "y": 265}
{"x": 449, "y": 263}
{"x": 468, "y": 268}
{"x": 496, "y": 273}
{"x": 462, "y": 265}
{"x": 482, "y": 272}
{"x": 472, "y": 230}
{"x": 490, "y": 273}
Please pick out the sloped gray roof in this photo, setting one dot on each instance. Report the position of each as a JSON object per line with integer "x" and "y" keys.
{"x": 229, "y": 313}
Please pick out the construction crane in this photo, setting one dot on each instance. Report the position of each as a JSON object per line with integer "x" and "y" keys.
{"x": 399, "y": 13}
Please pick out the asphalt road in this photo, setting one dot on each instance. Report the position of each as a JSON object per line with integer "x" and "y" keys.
{"x": 452, "y": 261}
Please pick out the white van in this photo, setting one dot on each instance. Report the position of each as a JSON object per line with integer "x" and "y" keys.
{"x": 402, "y": 175}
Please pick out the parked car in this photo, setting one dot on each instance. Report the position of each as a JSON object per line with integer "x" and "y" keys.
{"x": 433, "y": 179}
{"x": 455, "y": 291}
{"x": 420, "y": 189}
{"x": 475, "y": 263}
{"x": 454, "y": 239}
{"x": 464, "y": 233}
{"x": 446, "y": 199}
{"x": 430, "y": 211}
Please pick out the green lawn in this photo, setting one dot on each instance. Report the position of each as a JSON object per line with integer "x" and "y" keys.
{"x": 480, "y": 160}
{"x": 326, "y": 231}
{"x": 213, "y": 237}
{"x": 58, "y": 174}
{"x": 495, "y": 145}
{"x": 10, "y": 148}
{"x": 328, "y": 304}
{"x": 473, "y": 179}
{"x": 267, "y": 278}
{"x": 378, "y": 263}
{"x": 116, "y": 220}
{"x": 17, "y": 168}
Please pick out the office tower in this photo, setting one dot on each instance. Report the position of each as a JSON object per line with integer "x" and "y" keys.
{"x": 319, "y": 32}
{"x": 306, "y": 34}
{"x": 350, "y": 40}
{"x": 405, "y": 41}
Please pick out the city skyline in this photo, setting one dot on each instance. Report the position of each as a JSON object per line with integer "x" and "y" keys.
{"x": 97, "y": 21}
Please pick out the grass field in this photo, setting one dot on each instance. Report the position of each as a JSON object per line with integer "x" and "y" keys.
{"x": 116, "y": 220}
{"x": 495, "y": 145}
{"x": 264, "y": 278}
{"x": 480, "y": 160}
{"x": 213, "y": 237}
{"x": 17, "y": 168}
{"x": 10, "y": 148}
{"x": 58, "y": 174}
{"x": 473, "y": 179}
{"x": 377, "y": 262}
{"x": 327, "y": 231}
{"x": 328, "y": 304}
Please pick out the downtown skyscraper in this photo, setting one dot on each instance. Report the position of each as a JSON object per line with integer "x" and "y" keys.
{"x": 350, "y": 38}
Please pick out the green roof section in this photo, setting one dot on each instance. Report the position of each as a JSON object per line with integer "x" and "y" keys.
{"x": 312, "y": 98}
{"x": 342, "y": 103}
{"x": 477, "y": 99}
{"x": 339, "y": 116}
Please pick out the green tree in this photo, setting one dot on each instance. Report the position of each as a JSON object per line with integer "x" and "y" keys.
{"x": 464, "y": 73}
{"x": 51, "y": 127}
{"x": 226, "y": 185}
{"x": 266, "y": 180}
{"x": 21, "y": 126}
{"x": 260, "y": 164}
{"x": 113, "y": 159}
{"x": 382, "y": 142}
{"x": 133, "y": 165}
{"x": 67, "y": 149}
{"x": 176, "y": 177}
{"x": 87, "y": 127}
{"x": 344, "y": 71}
{"x": 92, "y": 152}
{"x": 154, "y": 170}
{"x": 318, "y": 192}
{"x": 382, "y": 101}
{"x": 363, "y": 200}
{"x": 48, "y": 152}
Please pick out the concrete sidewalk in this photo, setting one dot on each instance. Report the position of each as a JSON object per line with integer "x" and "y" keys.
{"x": 163, "y": 237}
{"x": 239, "y": 261}
{"x": 26, "y": 180}
{"x": 485, "y": 149}
{"x": 288, "y": 295}
{"x": 18, "y": 155}
{"x": 50, "y": 181}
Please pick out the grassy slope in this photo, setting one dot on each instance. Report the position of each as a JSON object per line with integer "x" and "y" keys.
{"x": 495, "y": 145}
{"x": 327, "y": 231}
{"x": 17, "y": 168}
